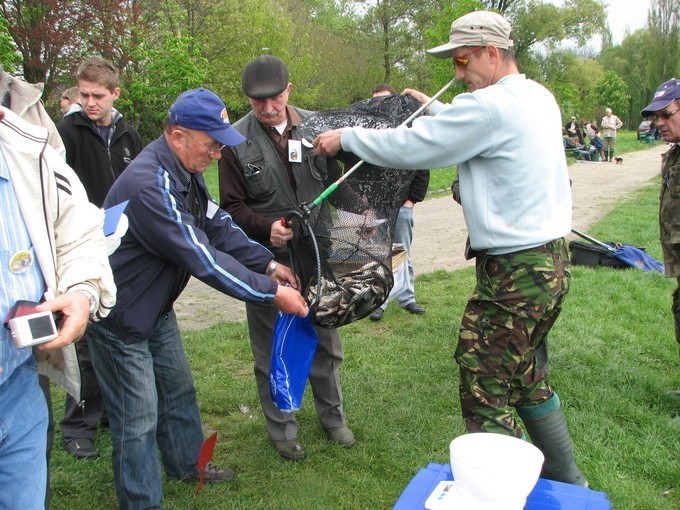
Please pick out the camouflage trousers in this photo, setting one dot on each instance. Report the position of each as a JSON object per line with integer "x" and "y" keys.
{"x": 517, "y": 299}
{"x": 676, "y": 310}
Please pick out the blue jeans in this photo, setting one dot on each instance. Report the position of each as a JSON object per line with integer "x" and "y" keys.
{"x": 151, "y": 402}
{"x": 23, "y": 438}
{"x": 403, "y": 233}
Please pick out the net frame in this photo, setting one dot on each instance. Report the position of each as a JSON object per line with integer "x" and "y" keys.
{"x": 342, "y": 251}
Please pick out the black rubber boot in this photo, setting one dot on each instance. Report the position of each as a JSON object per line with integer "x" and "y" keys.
{"x": 548, "y": 432}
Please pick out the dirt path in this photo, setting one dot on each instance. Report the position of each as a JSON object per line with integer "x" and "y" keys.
{"x": 439, "y": 233}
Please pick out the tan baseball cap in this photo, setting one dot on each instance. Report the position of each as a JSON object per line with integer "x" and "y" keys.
{"x": 477, "y": 28}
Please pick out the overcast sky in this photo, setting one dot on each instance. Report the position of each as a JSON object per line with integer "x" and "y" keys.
{"x": 626, "y": 14}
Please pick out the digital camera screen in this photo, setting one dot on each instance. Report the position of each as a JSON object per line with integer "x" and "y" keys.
{"x": 40, "y": 327}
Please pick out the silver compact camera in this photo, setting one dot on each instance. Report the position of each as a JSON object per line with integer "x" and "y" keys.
{"x": 30, "y": 327}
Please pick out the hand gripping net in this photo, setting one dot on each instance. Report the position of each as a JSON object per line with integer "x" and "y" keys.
{"x": 343, "y": 250}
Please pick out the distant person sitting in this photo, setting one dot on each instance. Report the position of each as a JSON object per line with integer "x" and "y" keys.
{"x": 70, "y": 101}
{"x": 403, "y": 233}
{"x": 653, "y": 130}
{"x": 574, "y": 130}
{"x": 594, "y": 137}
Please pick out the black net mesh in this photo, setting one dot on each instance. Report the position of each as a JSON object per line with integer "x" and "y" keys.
{"x": 343, "y": 254}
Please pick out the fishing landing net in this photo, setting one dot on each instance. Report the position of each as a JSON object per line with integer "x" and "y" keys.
{"x": 343, "y": 248}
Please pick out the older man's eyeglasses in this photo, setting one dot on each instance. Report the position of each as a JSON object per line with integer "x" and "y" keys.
{"x": 210, "y": 151}
{"x": 664, "y": 115}
{"x": 463, "y": 61}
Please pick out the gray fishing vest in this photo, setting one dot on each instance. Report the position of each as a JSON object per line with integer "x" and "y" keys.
{"x": 266, "y": 179}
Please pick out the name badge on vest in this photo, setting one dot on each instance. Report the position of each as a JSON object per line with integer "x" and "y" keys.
{"x": 294, "y": 151}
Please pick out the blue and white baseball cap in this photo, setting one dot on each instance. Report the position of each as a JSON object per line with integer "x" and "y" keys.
{"x": 667, "y": 92}
{"x": 202, "y": 110}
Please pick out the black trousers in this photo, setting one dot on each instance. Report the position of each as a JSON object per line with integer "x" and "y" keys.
{"x": 82, "y": 422}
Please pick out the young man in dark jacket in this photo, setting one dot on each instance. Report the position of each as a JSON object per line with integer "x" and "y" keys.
{"x": 99, "y": 143}
{"x": 99, "y": 146}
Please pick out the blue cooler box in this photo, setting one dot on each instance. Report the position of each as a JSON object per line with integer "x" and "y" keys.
{"x": 546, "y": 495}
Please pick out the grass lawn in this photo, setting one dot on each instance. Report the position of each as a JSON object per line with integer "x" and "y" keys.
{"x": 613, "y": 360}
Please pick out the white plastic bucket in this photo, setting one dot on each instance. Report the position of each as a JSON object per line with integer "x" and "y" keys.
{"x": 493, "y": 471}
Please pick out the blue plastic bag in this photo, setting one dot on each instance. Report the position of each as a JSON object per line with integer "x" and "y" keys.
{"x": 294, "y": 344}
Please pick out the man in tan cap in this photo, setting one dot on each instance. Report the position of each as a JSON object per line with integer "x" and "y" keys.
{"x": 514, "y": 189}
{"x": 260, "y": 182}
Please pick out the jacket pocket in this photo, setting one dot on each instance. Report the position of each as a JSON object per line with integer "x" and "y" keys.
{"x": 259, "y": 178}
{"x": 317, "y": 165}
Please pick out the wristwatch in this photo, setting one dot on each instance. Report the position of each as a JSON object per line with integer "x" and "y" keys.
{"x": 271, "y": 268}
{"x": 93, "y": 301}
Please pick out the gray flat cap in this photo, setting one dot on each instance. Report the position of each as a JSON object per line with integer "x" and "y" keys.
{"x": 264, "y": 77}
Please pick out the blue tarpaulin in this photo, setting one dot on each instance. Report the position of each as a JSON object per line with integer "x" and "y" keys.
{"x": 635, "y": 257}
{"x": 632, "y": 256}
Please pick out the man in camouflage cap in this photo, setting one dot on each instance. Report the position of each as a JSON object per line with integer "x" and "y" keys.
{"x": 663, "y": 110}
{"x": 514, "y": 189}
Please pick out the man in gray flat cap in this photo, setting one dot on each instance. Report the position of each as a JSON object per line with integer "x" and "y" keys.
{"x": 517, "y": 207}
{"x": 260, "y": 181}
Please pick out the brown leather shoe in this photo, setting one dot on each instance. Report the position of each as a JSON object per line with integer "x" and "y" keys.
{"x": 290, "y": 449}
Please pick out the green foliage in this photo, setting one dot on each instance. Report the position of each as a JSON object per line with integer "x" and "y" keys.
{"x": 538, "y": 22}
{"x": 390, "y": 24}
{"x": 647, "y": 57}
{"x": 164, "y": 70}
{"x": 567, "y": 98}
{"x": 609, "y": 92}
{"x": 9, "y": 58}
{"x": 441, "y": 69}
{"x": 664, "y": 36}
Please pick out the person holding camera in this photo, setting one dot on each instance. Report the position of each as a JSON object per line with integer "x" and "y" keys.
{"x": 55, "y": 244}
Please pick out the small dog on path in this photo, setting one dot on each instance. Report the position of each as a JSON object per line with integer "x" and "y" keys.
{"x": 619, "y": 161}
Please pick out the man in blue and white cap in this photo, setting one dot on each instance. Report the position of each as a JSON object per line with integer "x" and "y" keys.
{"x": 175, "y": 231}
{"x": 664, "y": 110}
